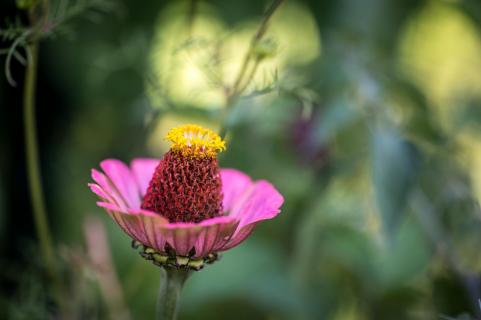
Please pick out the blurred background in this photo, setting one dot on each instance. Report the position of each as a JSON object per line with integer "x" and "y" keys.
{"x": 364, "y": 114}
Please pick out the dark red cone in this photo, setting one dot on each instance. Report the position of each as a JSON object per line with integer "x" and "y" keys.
{"x": 185, "y": 189}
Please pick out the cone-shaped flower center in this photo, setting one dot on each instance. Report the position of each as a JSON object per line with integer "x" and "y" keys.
{"x": 186, "y": 186}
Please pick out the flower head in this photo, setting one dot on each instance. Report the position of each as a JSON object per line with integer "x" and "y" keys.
{"x": 182, "y": 208}
{"x": 186, "y": 185}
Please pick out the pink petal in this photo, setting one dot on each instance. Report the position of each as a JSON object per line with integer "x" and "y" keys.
{"x": 144, "y": 212}
{"x": 123, "y": 181}
{"x": 108, "y": 188}
{"x": 262, "y": 201}
{"x": 141, "y": 225}
{"x": 154, "y": 231}
{"x": 214, "y": 235}
{"x": 238, "y": 237}
{"x": 100, "y": 192}
{"x": 142, "y": 228}
{"x": 203, "y": 236}
{"x": 234, "y": 183}
{"x": 143, "y": 170}
{"x": 109, "y": 206}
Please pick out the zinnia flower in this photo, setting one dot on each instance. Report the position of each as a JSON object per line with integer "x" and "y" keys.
{"x": 182, "y": 208}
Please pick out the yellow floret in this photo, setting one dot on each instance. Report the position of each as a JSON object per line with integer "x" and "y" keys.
{"x": 193, "y": 140}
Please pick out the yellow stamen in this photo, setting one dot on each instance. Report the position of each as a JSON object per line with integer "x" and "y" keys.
{"x": 193, "y": 140}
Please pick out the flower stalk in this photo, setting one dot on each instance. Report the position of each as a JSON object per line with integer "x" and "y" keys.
{"x": 249, "y": 59}
{"x": 33, "y": 164}
{"x": 171, "y": 283}
{"x": 32, "y": 159}
{"x": 31, "y": 150}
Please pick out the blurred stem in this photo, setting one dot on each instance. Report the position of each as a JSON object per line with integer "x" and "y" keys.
{"x": 32, "y": 159}
{"x": 191, "y": 15}
{"x": 171, "y": 283}
{"x": 233, "y": 93}
{"x": 254, "y": 41}
{"x": 250, "y": 75}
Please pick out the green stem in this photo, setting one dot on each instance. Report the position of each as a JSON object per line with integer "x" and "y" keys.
{"x": 171, "y": 283}
{"x": 33, "y": 162}
{"x": 223, "y": 131}
{"x": 233, "y": 93}
{"x": 250, "y": 76}
{"x": 32, "y": 159}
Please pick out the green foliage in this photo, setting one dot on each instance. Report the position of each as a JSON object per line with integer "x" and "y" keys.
{"x": 394, "y": 169}
{"x": 54, "y": 23}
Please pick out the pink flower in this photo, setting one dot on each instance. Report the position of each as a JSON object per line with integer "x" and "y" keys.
{"x": 171, "y": 185}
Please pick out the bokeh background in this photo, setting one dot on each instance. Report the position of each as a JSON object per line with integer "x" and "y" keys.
{"x": 364, "y": 114}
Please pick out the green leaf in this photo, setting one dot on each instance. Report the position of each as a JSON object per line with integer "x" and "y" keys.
{"x": 394, "y": 169}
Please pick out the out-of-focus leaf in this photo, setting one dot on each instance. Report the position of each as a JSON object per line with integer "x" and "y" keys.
{"x": 470, "y": 115}
{"x": 472, "y": 8}
{"x": 337, "y": 117}
{"x": 261, "y": 282}
{"x": 394, "y": 169}
{"x": 394, "y": 269}
{"x": 333, "y": 256}
{"x": 420, "y": 122}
